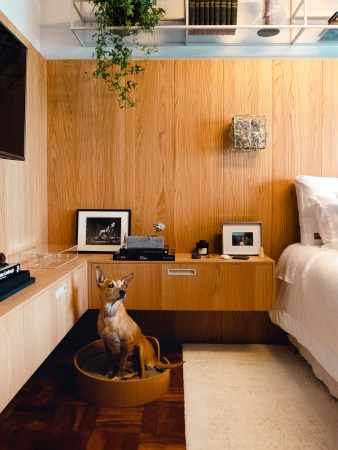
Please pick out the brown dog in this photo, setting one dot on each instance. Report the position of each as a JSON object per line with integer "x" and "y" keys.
{"x": 129, "y": 352}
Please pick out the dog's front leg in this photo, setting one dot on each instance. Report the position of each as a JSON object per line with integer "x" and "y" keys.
{"x": 124, "y": 351}
{"x": 110, "y": 362}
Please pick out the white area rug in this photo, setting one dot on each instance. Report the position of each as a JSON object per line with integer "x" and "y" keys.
{"x": 255, "y": 397}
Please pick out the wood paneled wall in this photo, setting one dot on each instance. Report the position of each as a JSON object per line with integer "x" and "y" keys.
{"x": 23, "y": 184}
{"x": 169, "y": 158}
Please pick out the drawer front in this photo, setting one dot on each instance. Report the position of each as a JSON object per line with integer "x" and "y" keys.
{"x": 218, "y": 287}
{"x": 144, "y": 293}
{"x": 193, "y": 287}
{"x": 248, "y": 287}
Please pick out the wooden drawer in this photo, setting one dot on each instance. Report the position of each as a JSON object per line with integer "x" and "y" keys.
{"x": 228, "y": 286}
{"x": 192, "y": 287}
{"x": 144, "y": 292}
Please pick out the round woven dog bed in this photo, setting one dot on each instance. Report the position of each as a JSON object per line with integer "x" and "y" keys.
{"x": 94, "y": 387}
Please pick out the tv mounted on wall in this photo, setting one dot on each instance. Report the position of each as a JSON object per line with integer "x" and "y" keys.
{"x": 13, "y": 56}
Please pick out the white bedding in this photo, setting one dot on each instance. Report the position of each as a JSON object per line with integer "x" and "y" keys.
{"x": 307, "y": 304}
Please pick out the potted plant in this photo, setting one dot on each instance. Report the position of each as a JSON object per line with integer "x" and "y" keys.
{"x": 118, "y": 24}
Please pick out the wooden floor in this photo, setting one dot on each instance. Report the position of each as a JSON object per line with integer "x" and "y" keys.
{"x": 47, "y": 414}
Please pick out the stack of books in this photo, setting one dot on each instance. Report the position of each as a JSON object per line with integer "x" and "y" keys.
{"x": 145, "y": 254}
{"x": 13, "y": 279}
{"x": 213, "y": 12}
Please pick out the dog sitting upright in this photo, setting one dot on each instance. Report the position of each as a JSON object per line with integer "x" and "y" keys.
{"x": 129, "y": 352}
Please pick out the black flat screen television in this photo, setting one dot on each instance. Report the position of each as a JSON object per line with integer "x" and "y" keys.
{"x": 13, "y": 56}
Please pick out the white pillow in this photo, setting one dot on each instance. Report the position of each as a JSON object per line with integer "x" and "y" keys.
{"x": 309, "y": 187}
{"x": 326, "y": 211}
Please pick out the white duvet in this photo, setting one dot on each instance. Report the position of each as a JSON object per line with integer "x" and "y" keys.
{"x": 307, "y": 301}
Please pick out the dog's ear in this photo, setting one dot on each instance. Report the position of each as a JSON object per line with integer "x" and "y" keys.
{"x": 128, "y": 279}
{"x": 100, "y": 276}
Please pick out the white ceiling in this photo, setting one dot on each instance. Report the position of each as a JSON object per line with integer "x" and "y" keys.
{"x": 47, "y": 25}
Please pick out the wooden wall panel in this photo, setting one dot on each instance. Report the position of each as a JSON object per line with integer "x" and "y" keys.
{"x": 23, "y": 184}
{"x": 330, "y": 119}
{"x": 297, "y": 140}
{"x": 198, "y": 152}
{"x": 169, "y": 158}
{"x": 150, "y": 139}
{"x": 86, "y": 168}
{"x": 247, "y": 186}
{"x": 106, "y": 158}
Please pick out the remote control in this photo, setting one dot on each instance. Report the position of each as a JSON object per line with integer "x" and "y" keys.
{"x": 240, "y": 257}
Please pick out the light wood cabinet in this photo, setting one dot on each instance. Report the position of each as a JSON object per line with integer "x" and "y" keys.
{"x": 51, "y": 315}
{"x": 12, "y": 373}
{"x": 208, "y": 284}
{"x": 40, "y": 330}
{"x": 34, "y": 321}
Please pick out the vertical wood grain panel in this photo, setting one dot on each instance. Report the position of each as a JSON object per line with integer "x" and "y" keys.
{"x": 87, "y": 163}
{"x": 169, "y": 158}
{"x": 103, "y": 157}
{"x": 247, "y": 175}
{"x": 23, "y": 204}
{"x": 150, "y": 139}
{"x": 198, "y": 150}
{"x": 297, "y": 140}
{"x": 330, "y": 119}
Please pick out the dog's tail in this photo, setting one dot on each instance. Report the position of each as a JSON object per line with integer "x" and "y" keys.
{"x": 168, "y": 365}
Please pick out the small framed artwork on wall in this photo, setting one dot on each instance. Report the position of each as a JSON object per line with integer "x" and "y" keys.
{"x": 242, "y": 238}
{"x": 102, "y": 230}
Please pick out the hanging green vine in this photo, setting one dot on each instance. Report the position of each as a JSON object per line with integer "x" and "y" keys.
{"x": 119, "y": 23}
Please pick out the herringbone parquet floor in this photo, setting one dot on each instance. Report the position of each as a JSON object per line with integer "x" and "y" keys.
{"x": 47, "y": 414}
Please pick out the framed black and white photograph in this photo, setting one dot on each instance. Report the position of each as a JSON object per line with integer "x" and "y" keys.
{"x": 102, "y": 230}
{"x": 242, "y": 238}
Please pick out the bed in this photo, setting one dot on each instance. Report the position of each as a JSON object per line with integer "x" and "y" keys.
{"x": 307, "y": 280}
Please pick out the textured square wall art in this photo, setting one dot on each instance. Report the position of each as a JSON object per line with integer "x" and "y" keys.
{"x": 248, "y": 133}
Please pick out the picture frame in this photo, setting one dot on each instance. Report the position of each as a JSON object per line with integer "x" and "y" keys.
{"x": 102, "y": 230}
{"x": 241, "y": 238}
